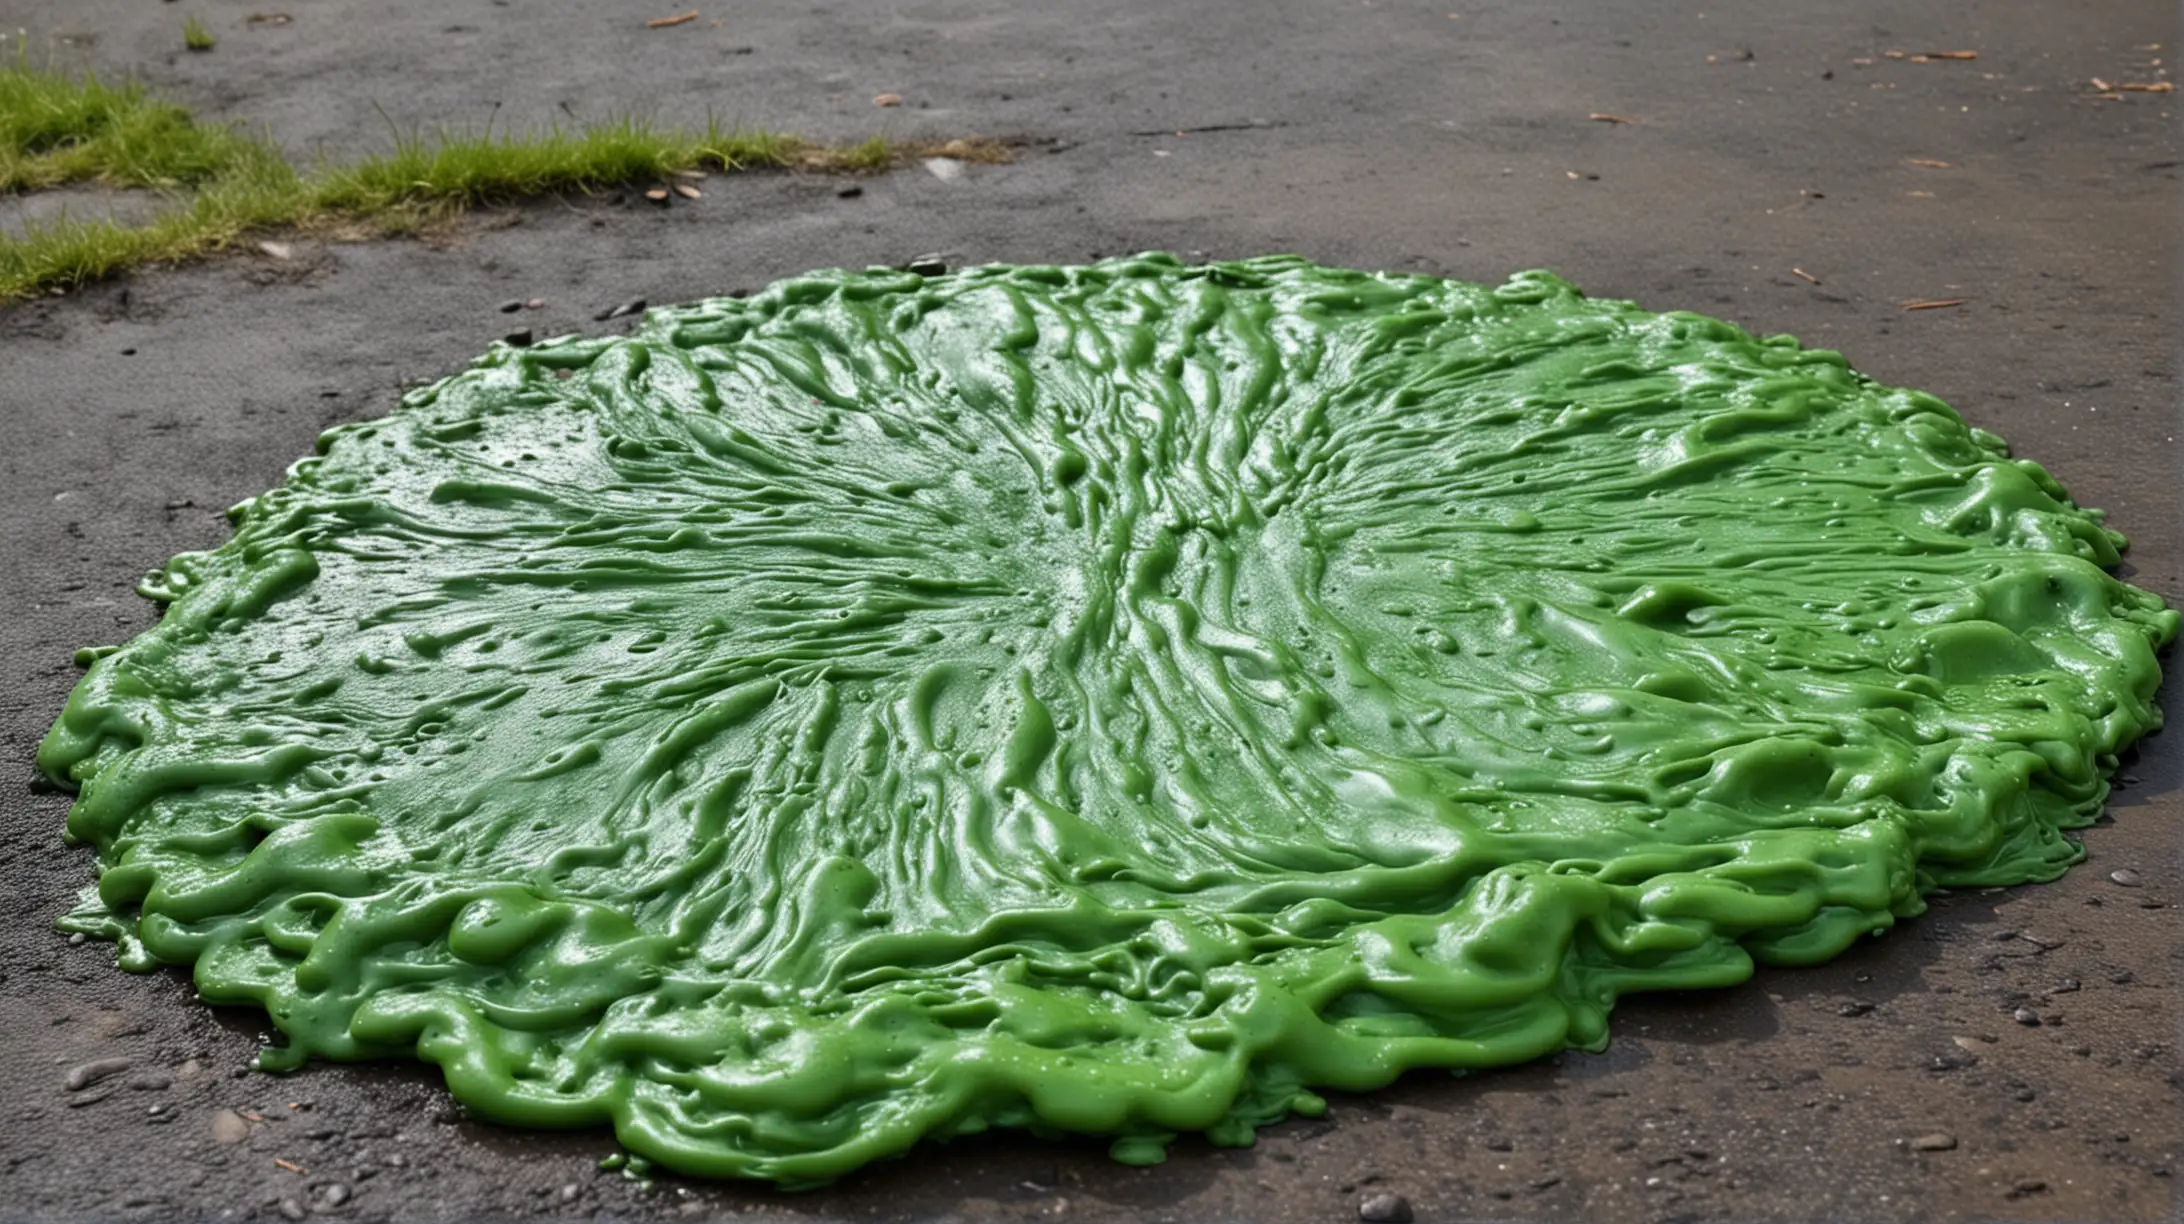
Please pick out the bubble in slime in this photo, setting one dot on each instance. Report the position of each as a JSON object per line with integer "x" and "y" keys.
{"x": 1116, "y": 699}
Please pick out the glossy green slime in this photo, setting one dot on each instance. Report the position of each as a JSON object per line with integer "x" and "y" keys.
{"x": 1115, "y": 699}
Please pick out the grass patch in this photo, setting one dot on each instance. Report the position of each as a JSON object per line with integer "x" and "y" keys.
{"x": 57, "y": 129}
{"x": 225, "y": 183}
{"x": 196, "y": 37}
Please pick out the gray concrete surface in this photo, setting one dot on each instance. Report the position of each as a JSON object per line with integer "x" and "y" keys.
{"x": 1452, "y": 137}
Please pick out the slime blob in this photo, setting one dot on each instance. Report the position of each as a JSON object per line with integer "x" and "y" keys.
{"x": 1116, "y": 699}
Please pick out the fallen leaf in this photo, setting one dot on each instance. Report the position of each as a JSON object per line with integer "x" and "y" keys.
{"x": 661, "y": 23}
{"x": 887, "y": 99}
{"x": 1936, "y": 304}
{"x": 1926, "y": 161}
{"x": 687, "y": 192}
{"x": 1605, "y": 117}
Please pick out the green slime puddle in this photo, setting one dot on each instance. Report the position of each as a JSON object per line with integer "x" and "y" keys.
{"x": 1114, "y": 699}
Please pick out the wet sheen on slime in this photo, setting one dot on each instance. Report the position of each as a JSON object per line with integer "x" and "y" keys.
{"x": 1118, "y": 699}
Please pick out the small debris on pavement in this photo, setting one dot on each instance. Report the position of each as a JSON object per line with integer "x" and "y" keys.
{"x": 2027, "y": 1017}
{"x": 2124, "y": 877}
{"x": 268, "y": 19}
{"x": 1605, "y": 117}
{"x": 289, "y": 1165}
{"x": 687, "y": 192}
{"x": 512, "y": 306}
{"x": 630, "y": 307}
{"x": 661, "y": 23}
{"x": 278, "y": 250}
{"x": 1803, "y": 275}
{"x": 657, "y": 195}
{"x": 850, "y": 192}
{"x": 84, "y": 1075}
{"x": 1935, "y": 304}
{"x": 946, "y": 169}
{"x": 1384, "y": 1208}
{"x": 1952, "y": 55}
{"x": 926, "y": 265}
{"x": 519, "y": 338}
{"x": 887, "y": 99}
{"x": 228, "y": 1127}
{"x": 1938, "y": 1141}
{"x": 1927, "y": 162}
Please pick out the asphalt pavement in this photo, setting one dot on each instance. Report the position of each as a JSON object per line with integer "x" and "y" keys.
{"x": 1805, "y": 169}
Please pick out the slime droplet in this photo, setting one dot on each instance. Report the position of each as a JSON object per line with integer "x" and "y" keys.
{"x": 1115, "y": 699}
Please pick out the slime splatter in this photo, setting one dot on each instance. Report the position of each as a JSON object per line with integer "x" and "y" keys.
{"x": 1117, "y": 699}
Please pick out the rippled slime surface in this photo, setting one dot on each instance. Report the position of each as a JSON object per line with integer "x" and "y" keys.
{"x": 1117, "y": 699}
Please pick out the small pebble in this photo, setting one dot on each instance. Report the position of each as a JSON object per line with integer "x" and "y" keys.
{"x": 334, "y": 1195}
{"x": 78, "y": 940}
{"x": 2027, "y": 1017}
{"x": 87, "y": 1074}
{"x": 519, "y": 338}
{"x": 927, "y": 265}
{"x": 850, "y": 192}
{"x": 511, "y": 306}
{"x": 535, "y": 303}
{"x": 630, "y": 307}
{"x": 1384, "y": 1209}
{"x": 2029, "y": 1185}
{"x": 228, "y": 1127}
{"x": 1939, "y": 1141}
{"x": 2124, "y": 877}
{"x": 292, "y": 1210}
{"x": 570, "y": 1191}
